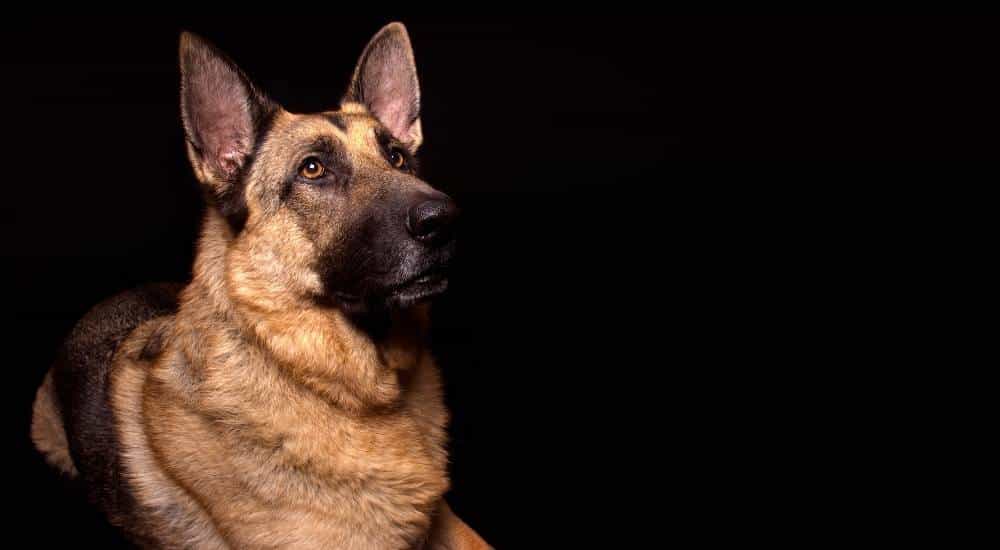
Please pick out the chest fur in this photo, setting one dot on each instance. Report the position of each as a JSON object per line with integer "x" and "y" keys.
{"x": 264, "y": 462}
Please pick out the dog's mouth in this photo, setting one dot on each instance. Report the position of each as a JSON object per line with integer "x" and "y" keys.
{"x": 422, "y": 286}
{"x": 427, "y": 276}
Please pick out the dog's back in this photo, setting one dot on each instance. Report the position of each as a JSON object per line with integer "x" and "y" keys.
{"x": 72, "y": 424}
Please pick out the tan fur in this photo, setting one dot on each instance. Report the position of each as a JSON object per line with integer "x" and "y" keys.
{"x": 47, "y": 431}
{"x": 269, "y": 421}
{"x": 451, "y": 533}
{"x": 258, "y": 416}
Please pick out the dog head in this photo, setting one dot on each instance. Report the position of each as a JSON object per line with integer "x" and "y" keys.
{"x": 325, "y": 206}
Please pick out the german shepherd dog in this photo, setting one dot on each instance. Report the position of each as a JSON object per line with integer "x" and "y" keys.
{"x": 285, "y": 396}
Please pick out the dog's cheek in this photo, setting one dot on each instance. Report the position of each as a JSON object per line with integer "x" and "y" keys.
{"x": 277, "y": 258}
{"x": 341, "y": 262}
{"x": 301, "y": 269}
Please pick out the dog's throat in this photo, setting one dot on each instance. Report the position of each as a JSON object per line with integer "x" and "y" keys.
{"x": 376, "y": 323}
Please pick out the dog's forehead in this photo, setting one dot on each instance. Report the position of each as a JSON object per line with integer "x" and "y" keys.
{"x": 352, "y": 126}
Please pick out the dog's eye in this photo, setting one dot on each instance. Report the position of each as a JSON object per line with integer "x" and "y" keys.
{"x": 312, "y": 168}
{"x": 397, "y": 159}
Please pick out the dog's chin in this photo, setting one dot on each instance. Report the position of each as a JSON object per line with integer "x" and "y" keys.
{"x": 420, "y": 290}
{"x": 411, "y": 292}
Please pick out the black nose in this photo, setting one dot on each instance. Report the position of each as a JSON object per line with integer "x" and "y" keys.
{"x": 432, "y": 221}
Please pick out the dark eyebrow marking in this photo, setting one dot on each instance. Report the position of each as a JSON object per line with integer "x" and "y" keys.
{"x": 322, "y": 144}
{"x": 335, "y": 153}
{"x": 338, "y": 120}
{"x": 386, "y": 141}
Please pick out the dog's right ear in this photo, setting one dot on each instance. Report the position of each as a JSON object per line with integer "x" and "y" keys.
{"x": 222, "y": 113}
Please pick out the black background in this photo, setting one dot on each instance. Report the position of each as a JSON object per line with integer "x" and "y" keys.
{"x": 650, "y": 333}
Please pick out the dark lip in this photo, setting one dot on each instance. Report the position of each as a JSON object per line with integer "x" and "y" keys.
{"x": 427, "y": 276}
{"x": 420, "y": 291}
{"x": 422, "y": 286}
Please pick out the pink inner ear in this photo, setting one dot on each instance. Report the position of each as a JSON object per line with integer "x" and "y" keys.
{"x": 217, "y": 113}
{"x": 224, "y": 122}
{"x": 231, "y": 159}
{"x": 387, "y": 83}
{"x": 226, "y": 141}
{"x": 394, "y": 113}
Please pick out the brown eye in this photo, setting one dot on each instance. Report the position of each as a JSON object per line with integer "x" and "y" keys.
{"x": 396, "y": 158}
{"x": 312, "y": 168}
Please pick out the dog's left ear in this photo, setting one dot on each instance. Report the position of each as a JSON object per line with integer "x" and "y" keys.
{"x": 385, "y": 82}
